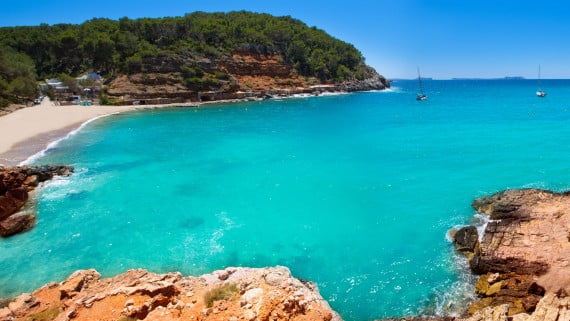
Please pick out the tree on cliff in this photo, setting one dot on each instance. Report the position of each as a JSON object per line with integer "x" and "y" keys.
{"x": 129, "y": 46}
{"x": 17, "y": 77}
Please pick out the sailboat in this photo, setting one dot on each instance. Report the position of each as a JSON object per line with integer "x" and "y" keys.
{"x": 420, "y": 96}
{"x": 540, "y": 93}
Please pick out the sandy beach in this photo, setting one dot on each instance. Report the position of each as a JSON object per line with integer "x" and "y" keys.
{"x": 28, "y": 131}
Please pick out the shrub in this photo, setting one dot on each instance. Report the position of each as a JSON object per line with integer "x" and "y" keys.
{"x": 221, "y": 75}
{"x": 225, "y": 292}
{"x": 47, "y": 315}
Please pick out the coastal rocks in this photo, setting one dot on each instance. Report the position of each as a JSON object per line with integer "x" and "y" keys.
{"x": 522, "y": 258}
{"x": 17, "y": 223}
{"x": 524, "y": 252}
{"x": 549, "y": 308}
{"x": 231, "y": 294}
{"x": 529, "y": 235}
{"x": 374, "y": 81}
{"x": 15, "y": 185}
{"x": 466, "y": 239}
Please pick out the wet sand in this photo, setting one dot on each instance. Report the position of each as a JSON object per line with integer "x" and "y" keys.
{"x": 27, "y": 131}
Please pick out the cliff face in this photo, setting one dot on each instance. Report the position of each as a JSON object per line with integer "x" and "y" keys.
{"x": 243, "y": 74}
{"x": 231, "y": 294}
{"x": 525, "y": 251}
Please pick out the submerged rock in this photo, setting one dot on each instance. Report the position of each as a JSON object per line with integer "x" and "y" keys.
{"x": 15, "y": 185}
{"x": 141, "y": 295}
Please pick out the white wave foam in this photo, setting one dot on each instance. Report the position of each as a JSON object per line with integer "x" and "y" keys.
{"x": 452, "y": 300}
{"x": 387, "y": 90}
{"x": 323, "y": 94}
{"x": 56, "y": 142}
{"x": 52, "y": 189}
{"x": 481, "y": 224}
{"x": 335, "y": 93}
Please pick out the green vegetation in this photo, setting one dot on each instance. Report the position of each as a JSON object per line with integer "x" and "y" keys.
{"x": 129, "y": 46}
{"x": 225, "y": 292}
{"x": 17, "y": 77}
{"x": 47, "y": 315}
{"x": 4, "y": 302}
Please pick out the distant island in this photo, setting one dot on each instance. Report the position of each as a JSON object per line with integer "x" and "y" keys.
{"x": 504, "y": 78}
{"x": 200, "y": 56}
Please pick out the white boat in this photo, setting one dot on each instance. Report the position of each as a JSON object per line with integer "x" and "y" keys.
{"x": 420, "y": 95}
{"x": 540, "y": 93}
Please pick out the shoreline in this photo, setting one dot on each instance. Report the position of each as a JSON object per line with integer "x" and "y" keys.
{"x": 32, "y": 143}
{"x": 22, "y": 151}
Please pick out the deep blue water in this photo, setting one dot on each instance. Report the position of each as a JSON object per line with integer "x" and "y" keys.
{"x": 355, "y": 192}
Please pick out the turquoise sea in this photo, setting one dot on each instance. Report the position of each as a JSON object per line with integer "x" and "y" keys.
{"x": 355, "y": 192}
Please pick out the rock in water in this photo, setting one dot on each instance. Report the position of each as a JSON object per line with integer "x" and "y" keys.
{"x": 466, "y": 239}
{"x": 15, "y": 185}
{"x": 16, "y": 224}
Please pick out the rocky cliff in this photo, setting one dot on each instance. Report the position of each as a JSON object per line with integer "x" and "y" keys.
{"x": 525, "y": 251}
{"x": 15, "y": 185}
{"x": 232, "y": 294}
{"x": 241, "y": 75}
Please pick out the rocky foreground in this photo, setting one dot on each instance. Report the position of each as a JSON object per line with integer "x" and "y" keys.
{"x": 15, "y": 185}
{"x": 232, "y": 294}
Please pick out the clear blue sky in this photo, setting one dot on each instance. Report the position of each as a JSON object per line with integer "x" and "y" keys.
{"x": 446, "y": 38}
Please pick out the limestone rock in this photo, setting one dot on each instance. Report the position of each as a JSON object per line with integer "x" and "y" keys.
{"x": 142, "y": 295}
{"x": 528, "y": 235}
{"x": 525, "y": 250}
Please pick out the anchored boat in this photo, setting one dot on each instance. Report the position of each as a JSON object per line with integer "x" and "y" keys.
{"x": 540, "y": 93}
{"x": 420, "y": 95}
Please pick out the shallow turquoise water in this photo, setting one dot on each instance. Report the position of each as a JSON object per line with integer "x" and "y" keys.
{"x": 354, "y": 192}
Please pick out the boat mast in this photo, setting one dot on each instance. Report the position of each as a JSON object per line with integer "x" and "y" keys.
{"x": 420, "y": 82}
{"x": 539, "y": 79}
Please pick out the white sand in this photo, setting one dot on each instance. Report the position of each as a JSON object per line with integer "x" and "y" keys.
{"x": 28, "y": 131}
{"x": 40, "y": 125}
{"x": 28, "y": 123}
